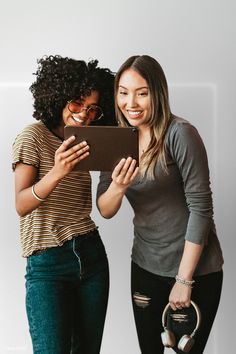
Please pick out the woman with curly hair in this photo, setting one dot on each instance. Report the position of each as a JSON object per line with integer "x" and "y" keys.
{"x": 67, "y": 276}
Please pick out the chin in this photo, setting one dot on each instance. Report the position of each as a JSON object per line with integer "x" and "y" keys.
{"x": 134, "y": 123}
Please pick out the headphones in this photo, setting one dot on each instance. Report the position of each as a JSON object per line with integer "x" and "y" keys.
{"x": 186, "y": 341}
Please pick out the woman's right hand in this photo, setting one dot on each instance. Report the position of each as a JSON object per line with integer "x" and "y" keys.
{"x": 67, "y": 157}
{"x": 122, "y": 176}
{"x": 124, "y": 173}
{"x": 26, "y": 175}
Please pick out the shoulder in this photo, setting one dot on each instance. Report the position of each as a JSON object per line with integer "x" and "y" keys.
{"x": 32, "y": 132}
{"x": 31, "y": 138}
{"x": 183, "y": 141}
{"x": 182, "y": 131}
{"x": 35, "y": 129}
{"x": 179, "y": 124}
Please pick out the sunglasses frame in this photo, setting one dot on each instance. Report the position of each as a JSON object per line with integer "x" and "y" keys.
{"x": 87, "y": 109}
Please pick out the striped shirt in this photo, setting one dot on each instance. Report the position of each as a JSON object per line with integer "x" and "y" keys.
{"x": 66, "y": 211}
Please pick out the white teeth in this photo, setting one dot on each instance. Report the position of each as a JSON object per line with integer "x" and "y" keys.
{"x": 77, "y": 119}
{"x": 134, "y": 113}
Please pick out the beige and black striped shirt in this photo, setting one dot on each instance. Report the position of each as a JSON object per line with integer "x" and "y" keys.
{"x": 66, "y": 212}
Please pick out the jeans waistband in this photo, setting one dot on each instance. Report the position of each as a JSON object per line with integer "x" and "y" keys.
{"x": 73, "y": 240}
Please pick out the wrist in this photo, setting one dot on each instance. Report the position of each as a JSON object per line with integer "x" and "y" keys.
{"x": 54, "y": 176}
{"x": 36, "y": 196}
{"x": 187, "y": 282}
{"x": 118, "y": 189}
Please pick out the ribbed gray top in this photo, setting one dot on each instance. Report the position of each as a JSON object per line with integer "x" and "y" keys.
{"x": 174, "y": 207}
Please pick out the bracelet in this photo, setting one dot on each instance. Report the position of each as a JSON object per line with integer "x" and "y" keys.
{"x": 188, "y": 283}
{"x": 35, "y": 195}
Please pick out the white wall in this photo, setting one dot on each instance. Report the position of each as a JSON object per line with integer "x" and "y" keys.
{"x": 195, "y": 43}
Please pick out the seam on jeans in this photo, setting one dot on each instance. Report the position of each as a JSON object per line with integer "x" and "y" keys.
{"x": 78, "y": 258}
{"x": 31, "y": 318}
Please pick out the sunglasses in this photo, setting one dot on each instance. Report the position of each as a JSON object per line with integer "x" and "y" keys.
{"x": 93, "y": 111}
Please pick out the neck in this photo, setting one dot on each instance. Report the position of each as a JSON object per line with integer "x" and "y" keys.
{"x": 144, "y": 140}
{"x": 144, "y": 130}
{"x": 59, "y": 132}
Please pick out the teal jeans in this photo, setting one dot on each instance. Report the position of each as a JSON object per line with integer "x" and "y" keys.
{"x": 66, "y": 296}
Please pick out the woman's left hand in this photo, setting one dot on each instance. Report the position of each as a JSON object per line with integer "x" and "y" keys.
{"x": 180, "y": 296}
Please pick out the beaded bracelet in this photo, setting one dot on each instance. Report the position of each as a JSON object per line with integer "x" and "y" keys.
{"x": 188, "y": 283}
{"x": 35, "y": 195}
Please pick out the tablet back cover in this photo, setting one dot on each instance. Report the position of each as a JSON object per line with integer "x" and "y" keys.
{"x": 108, "y": 145}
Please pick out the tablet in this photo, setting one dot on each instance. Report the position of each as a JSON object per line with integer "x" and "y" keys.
{"x": 108, "y": 145}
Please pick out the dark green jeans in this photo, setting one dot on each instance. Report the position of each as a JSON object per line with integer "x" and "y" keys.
{"x": 66, "y": 296}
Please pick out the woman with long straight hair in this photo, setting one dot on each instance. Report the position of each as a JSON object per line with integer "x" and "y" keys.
{"x": 176, "y": 255}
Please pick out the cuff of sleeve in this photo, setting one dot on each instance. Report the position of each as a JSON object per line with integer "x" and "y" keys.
{"x": 198, "y": 229}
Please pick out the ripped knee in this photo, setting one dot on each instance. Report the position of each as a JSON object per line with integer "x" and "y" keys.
{"x": 141, "y": 300}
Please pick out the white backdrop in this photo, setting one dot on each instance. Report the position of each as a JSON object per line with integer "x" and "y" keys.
{"x": 194, "y": 41}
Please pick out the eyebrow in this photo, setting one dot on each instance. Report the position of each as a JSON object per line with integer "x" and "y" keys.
{"x": 139, "y": 88}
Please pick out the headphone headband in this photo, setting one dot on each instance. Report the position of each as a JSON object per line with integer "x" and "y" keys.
{"x": 198, "y": 313}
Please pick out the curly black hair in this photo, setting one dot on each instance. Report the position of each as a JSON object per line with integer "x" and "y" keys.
{"x": 62, "y": 79}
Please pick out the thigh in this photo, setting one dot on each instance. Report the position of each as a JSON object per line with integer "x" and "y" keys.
{"x": 206, "y": 293}
{"x": 92, "y": 294}
{"x": 150, "y": 295}
{"x": 49, "y": 309}
{"x": 92, "y": 299}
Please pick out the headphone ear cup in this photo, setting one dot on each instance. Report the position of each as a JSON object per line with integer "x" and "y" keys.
{"x": 168, "y": 339}
{"x": 185, "y": 343}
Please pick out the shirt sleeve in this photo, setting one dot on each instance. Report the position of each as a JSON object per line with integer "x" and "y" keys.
{"x": 26, "y": 148}
{"x": 188, "y": 151}
{"x": 104, "y": 182}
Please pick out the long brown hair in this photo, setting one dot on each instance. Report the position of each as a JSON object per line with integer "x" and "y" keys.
{"x": 160, "y": 116}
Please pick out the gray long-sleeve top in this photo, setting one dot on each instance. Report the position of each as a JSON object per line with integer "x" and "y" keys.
{"x": 174, "y": 207}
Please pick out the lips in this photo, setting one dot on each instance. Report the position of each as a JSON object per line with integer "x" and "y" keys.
{"x": 79, "y": 120}
{"x": 134, "y": 114}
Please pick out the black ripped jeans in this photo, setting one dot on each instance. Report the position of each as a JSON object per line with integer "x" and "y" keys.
{"x": 150, "y": 294}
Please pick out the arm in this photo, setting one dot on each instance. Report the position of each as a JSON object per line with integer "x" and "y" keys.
{"x": 181, "y": 293}
{"x": 110, "y": 201}
{"x": 188, "y": 150}
{"x": 26, "y": 175}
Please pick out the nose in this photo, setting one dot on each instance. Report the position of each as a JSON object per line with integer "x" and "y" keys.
{"x": 83, "y": 113}
{"x": 131, "y": 101}
{"x": 81, "y": 118}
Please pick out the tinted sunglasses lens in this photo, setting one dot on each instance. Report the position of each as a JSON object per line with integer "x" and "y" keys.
{"x": 74, "y": 107}
{"x": 93, "y": 112}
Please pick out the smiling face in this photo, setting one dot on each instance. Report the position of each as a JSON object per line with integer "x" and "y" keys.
{"x": 77, "y": 119}
{"x": 133, "y": 98}
{"x": 82, "y": 118}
